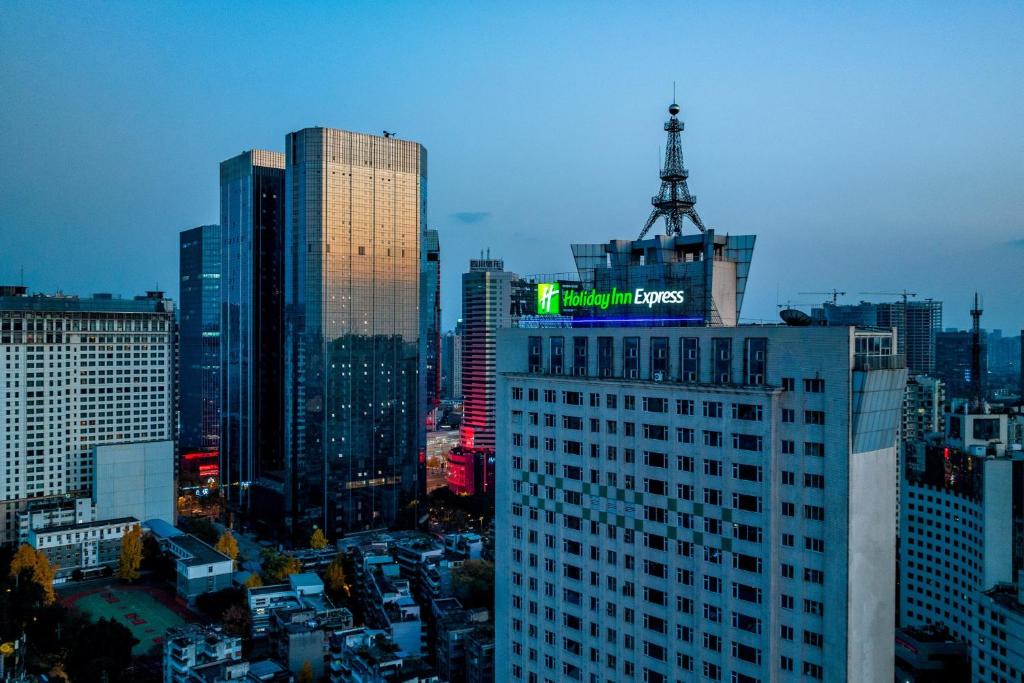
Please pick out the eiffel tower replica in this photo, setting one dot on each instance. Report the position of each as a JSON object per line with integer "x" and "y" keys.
{"x": 674, "y": 200}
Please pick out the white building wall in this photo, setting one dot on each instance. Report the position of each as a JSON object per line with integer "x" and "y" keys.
{"x": 135, "y": 480}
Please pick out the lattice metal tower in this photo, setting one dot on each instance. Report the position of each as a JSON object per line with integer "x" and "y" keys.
{"x": 674, "y": 201}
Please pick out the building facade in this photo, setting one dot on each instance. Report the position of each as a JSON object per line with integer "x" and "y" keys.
{"x": 76, "y": 373}
{"x": 430, "y": 288}
{"x": 487, "y": 294}
{"x": 451, "y": 364}
{"x": 198, "y": 367}
{"x": 354, "y": 428}
{"x": 251, "y": 335}
{"x": 999, "y": 654}
{"x": 697, "y": 503}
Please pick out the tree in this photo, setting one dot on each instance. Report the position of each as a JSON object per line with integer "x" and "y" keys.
{"x": 227, "y": 545}
{"x": 278, "y": 566}
{"x": 305, "y": 673}
{"x": 36, "y": 566}
{"x": 102, "y": 651}
{"x": 334, "y": 577}
{"x": 474, "y": 583}
{"x": 215, "y": 604}
{"x": 318, "y": 541}
{"x": 131, "y": 554}
{"x": 236, "y": 620}
{"x": 254, "y": 581}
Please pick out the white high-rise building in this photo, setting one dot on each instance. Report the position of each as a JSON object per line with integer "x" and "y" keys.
{"x": 960, "y": 527}
{"x": 682, "y": 504}
{"x": 76, "y": 373}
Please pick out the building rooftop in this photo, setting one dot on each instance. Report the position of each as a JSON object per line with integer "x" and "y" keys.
{"x": 151, "y": 302}
{"x": 199, "y": 552}
{"x": 1008, "y": 596}
{"x": 162, "y": 528}
{"x": 85, "y": 525}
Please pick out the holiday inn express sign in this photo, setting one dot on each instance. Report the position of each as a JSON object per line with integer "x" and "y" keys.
{"x": 553, "y": 299}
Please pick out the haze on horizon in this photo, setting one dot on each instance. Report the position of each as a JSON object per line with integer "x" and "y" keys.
{"x": 869, "y": 147}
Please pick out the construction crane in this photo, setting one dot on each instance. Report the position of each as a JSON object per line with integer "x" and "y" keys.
{"x": 904, "y": 294}
{"x": 835, "y": 294}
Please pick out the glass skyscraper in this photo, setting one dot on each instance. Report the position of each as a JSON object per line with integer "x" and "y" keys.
{"x": 354, "y": 431}
{"x": 252, "y": 222}
{"x": 431, "y": 291}
{"x": 199, "y": 339}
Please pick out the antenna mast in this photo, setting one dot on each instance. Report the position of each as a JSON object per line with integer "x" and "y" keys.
{"x": 673, "y": 200}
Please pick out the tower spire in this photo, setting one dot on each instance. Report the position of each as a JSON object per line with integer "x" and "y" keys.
{"x": 674, "y": 200}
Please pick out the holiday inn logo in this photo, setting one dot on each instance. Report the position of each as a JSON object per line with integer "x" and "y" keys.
{"x": 548, "y": 298}
{"x": 553, "y": 300}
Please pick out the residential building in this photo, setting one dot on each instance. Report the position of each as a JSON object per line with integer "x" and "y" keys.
{"x": 81, "y": 549}
{"x": 187, "y": 648}
{"x": 487, "y": 296}
{"x": 917, "y": 325}
{"x": 999, "y": 647}
{"x": 690, "y": 502}
{"x": 392, "y": 608}
{"x": 301, "y": 592}
{"x": 76, "y": 373}
{"x": 454, "y": 632}
{"x": 199, "y": 265}
{"x": 252, "y": 335}
{"x": 355, "y": 438}
{"x": 364, "y": 655}
{"x": 960, "y": 521}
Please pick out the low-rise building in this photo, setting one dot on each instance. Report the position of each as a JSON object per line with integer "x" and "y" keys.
{"x": 199, "y": 567}
{"x": 85, "y": 547}
{"x": 302, "y": 592}
{"x": 930, "y": 655}
{"x": 364, "y": 655}
{"x": 189, "y": 647}
{"x": 455, "y": 627}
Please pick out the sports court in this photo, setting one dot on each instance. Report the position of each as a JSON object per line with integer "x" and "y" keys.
{"x": 145, "y": 615}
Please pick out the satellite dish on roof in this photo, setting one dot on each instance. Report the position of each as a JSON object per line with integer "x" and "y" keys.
{"x": 794, "y": 317}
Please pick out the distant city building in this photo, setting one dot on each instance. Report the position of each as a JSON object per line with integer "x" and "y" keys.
{"x": 199, "y": 265}
{"x": 471, "y": 471}
{"x": 431, "y": 312}
{"x": 923, "y": 414}
{"x": 365, "y": 655}
{"x": 687, "y": 502}
{"x": 487, "y": 296}
{"x": 960, "y": 525}
{"x": 954, "y": 362}
{"x": 77, "y": 373}
{"x": 451, "y": 364}
{"x": 355, "y": 438}
{"x": 252, "y": 334}
{"x": 917, "y": 325}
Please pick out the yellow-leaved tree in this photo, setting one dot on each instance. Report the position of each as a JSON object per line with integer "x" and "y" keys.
{"x": 27, "y": 558}
{"x": 335, "y": 580}
{"x": 254, "y": 581}
{"x": 318, "y": 541}
{"x": 227, "y": 545}
{"x": 305, "y": 673}
{"x": 131, "y": 554}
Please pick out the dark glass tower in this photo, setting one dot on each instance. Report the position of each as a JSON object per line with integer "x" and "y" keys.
{"x": 199, "y": 339}
{"x": 252, "y": 222}
{"x": 354, "y": 431}
{"x": 431, "y": 291}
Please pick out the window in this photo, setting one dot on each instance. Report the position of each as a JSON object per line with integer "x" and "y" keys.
{"x": 747, "y": 411}
{"x": 659, "y": 359}
{"x": 788, "y": 415}
{"x": 690, "y": 356}
{"x": 651, "y": 404}
{"x": 814, "y": 417}
{"x": 684, "y": 434}
{"x": 534, "y": 353}
{"x": 557, "y": 355}
{"x": 788, "y": 478}
{"x": 631, "y": 357}
{"x": 814, "y": 386}
{"x": 815, "y": 545}
{"x": 684, "y": 406}
{"x": 788, "y": 447}
{"x": 605, "y": 358}
{"x": 721, "y": 351}
{"x": 579, "y": 356}
{"x": 814, "y": 512}
{"x": 746, "y": 472}
{"x": 788, "y": 384}
{"x": 712, "y": 497}
{"x": 814, "y": 481}
{"x": 629, "y": 402}
{"x": 712, "y": 409}
{"x": 755, "y": 363}
{"x": 713, "y": 439}
{"x": 814, "y": 448}
{"x": 747, "y": 442}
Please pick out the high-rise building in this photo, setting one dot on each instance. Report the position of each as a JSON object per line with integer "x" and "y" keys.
{"x": 923, "y": 414}
{"x": 251, "y": 335}
{"x": 999, "y": 654}
{"x": 199, "y": 339}
{"x": 960, "y": 527}
{"x": 77, "y": 373}
{"x": 487, "y": 295}
{"x": 917, "y": 323}
{"x": 354, "y": 424}
{"x": 431, "y": 311}
{"x": 954, "y": 362}
{"x": 682, "y": 503}
{"x": 451, "y": 363}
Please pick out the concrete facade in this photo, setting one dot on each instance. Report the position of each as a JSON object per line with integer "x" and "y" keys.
{"x": 135, "y": 480}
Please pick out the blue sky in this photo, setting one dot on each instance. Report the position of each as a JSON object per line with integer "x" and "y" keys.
{"x": 870, "y": 146}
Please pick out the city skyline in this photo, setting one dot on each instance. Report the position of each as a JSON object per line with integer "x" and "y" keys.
{"x": 818, "y": 149}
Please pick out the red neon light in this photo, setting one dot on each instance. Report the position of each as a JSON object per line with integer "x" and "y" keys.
{"x": 200, "y": 455}
{"x": 209, "y": 470}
